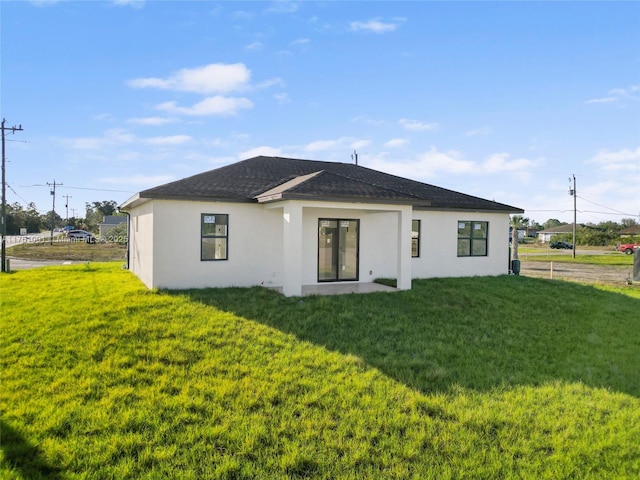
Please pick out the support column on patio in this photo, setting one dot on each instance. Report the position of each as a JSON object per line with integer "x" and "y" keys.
{"x": 404, "y": 248}
{"x": 292, "y": 269}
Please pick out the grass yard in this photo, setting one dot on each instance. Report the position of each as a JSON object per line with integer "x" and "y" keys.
{"x": 606, "y": 259}
{"x": 62, "y": 249}
{"x": 506, "y": 377}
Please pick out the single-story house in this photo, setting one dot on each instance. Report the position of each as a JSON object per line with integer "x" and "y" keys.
{"x": 630, "y": 231}
{"x": 548, "y": 234}
{"x": 284, "y": 223}
{"x": 109, "y": 222}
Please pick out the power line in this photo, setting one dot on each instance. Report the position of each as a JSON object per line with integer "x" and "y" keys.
{"x": 604, "y": 206}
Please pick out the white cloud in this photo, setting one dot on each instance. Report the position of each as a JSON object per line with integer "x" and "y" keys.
{"x": 282, "y": 6}
{"x": 499, "y": 162}
{"x": 428, "y": 165}
{"x": 111, "y": 137}
{"x": 373, "y": 26}
{"x": 625, "y": 159}
{"x": 367, "y": 120}
{"x": 415, "y": 125}
{"x": 300, "y": 41}
{"x": 478, "y": 132}
{"x": 151, "y": 121}
{"x": 169, "y": 140}
{"x": 254, "y": 47}
{"x": 322, "y": 145}
{"x": 360, "y": 144}
{"x": 282, "y": 98}
{"x": 602, "y": 100}
{"x": 139, "y": 180}
{"x": 218, "y": 105}
{"x": 212, "y": 78}
{"x": 271, "y": 82}
{"x": 618, "y": 95}
{"x": 129, "y": 3}
{"x": 263, "y": 150}
{"x": 396, "y": 143}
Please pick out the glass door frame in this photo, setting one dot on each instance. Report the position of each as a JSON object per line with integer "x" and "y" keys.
{"x": 335, "y": 250}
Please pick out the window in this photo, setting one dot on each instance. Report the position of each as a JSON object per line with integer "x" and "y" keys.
{"x": 214, "y": 236}
{"x": 415, "y": 238}
{"x": 472, "y": 238}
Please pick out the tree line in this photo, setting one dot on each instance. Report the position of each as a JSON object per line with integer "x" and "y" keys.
{"x": 30, "y": 217}
{"x": 596, "y": 234}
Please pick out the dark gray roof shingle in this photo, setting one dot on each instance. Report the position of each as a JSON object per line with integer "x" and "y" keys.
{"x": 246, "y": 180}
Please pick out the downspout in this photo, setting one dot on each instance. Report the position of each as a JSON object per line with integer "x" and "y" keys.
{"x": 128, "y": 233}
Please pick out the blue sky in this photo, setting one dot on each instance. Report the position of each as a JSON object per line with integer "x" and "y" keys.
{"x": 503, "y": 100}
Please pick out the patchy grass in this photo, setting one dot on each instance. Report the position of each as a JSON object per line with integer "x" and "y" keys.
{"x": 606, "y": 259}
{"x": 505, "y": 377}
{"x": 62, "y": 249}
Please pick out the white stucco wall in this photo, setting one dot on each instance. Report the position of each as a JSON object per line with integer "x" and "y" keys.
{"x": 438, "y": 245}
{"x": 165, "y": 243}
{"x": 141, "y": 243}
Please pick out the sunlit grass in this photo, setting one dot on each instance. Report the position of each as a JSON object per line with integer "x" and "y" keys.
{"x": 503, "y": 377}
{"x": 63, "y": 249}
{"x": 606, "y": 259}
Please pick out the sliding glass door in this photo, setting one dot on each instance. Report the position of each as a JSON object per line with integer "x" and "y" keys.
{"x": 338, "y": 243}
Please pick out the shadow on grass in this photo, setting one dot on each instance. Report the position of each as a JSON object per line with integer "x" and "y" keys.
{"x": 479, "y": 333}
{"x": 23, "y": 457}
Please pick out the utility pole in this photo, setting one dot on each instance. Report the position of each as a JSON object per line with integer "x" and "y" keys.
{"x": 3, "y": 249}
{"x": 66, "y": 205}
{"x": 53, "y": 209}
{"x": 572, "y": 191}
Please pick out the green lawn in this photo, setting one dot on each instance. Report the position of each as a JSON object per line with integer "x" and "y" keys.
{"x": 606, "y": 259}
{"x": 62, "y": 249}
{"x": 507, "y": 377}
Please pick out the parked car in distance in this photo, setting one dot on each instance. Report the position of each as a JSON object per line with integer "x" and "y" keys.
{"x": 561, "y": 245}
{"x": 628, "y": 248}
{"x": 81, "y": 235}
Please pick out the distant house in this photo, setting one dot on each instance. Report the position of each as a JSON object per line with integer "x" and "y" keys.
{"x": 109, "y": 222}
{"x": 630, "y": 232}
{"x": 547, "y": 235}
{"x": 287, "y": 223}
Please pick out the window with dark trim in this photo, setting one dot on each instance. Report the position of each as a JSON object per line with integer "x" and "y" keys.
{"x": 472, "y": 238}
{"x": 214, "y": 236}
{"x": 415, "y": 238}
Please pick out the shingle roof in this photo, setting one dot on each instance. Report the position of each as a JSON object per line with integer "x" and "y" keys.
{"x": 274, "y": 178}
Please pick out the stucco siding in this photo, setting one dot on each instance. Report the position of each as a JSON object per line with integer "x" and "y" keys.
{"x": 254, "y": 246}
{"x": 439, "y": 239}
{"x": 141, "y": 243}
{"x": 165, "y": 243}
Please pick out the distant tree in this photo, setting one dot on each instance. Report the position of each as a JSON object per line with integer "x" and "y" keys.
{"x": 628, "y": 222}
{"x": 609, "y": 226}
{"x": 19, "y": 217}
{"x": 517, "y": 222}
{"x": 96, "y": 211}
{"x": 49, "y": 221}
{"x": 552, "y": 222}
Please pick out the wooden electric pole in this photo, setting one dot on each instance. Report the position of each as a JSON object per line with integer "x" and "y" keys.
{"x": 53, "y": 209}
{"x": 572, "y": 191}
{"x": 3, "y": 248}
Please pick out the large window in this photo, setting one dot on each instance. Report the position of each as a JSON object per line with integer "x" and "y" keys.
{"x": 415, "y": 238}
{"x": 214, "y": 236}
{"x": 472, "y": 238}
